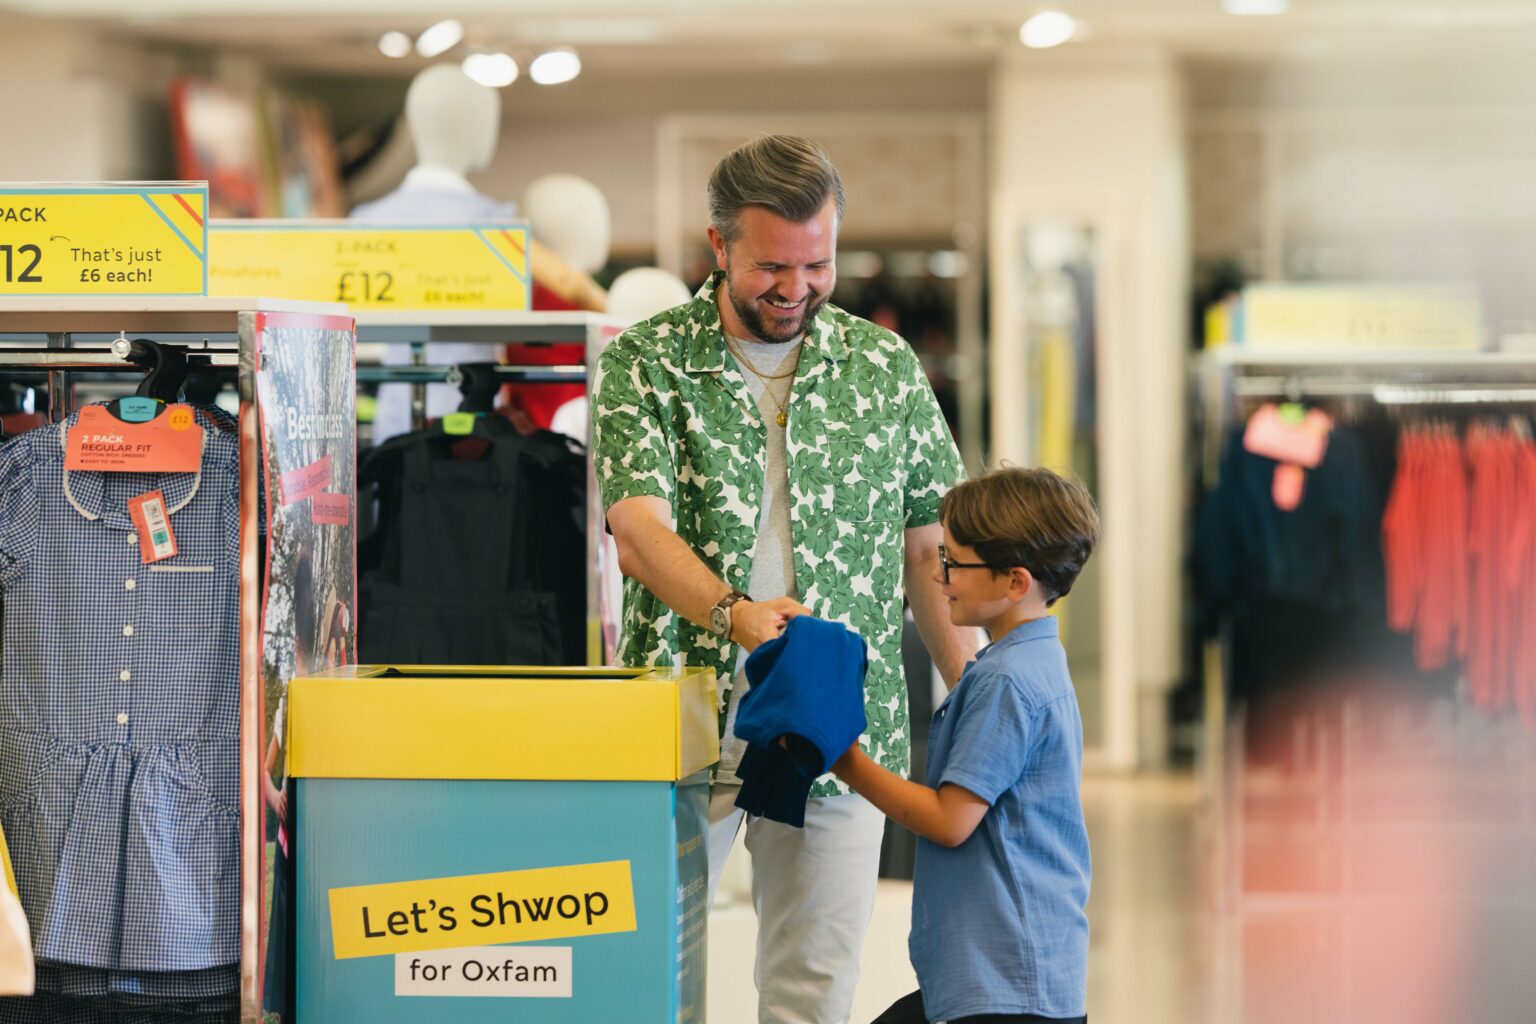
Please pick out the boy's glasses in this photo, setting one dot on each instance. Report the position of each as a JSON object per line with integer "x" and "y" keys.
{"x": 946, "y": 563}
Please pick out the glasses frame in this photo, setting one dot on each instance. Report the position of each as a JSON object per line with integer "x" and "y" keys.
{"x": 946, "y": 564}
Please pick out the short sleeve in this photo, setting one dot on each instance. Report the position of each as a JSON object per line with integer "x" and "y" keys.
{"x": 933, "y": 462}
{"x": 630, "y": 452}
{"x": 991, "y": 741}
{"x": 19, "y": 512}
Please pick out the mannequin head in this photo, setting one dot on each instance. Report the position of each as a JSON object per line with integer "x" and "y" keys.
{"x": 641, "y": 293}
{"x": 454, "y": 120}
{"x": 570, "y": 216}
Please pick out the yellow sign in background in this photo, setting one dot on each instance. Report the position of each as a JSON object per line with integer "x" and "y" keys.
{"x": 1407, "y": 317}
{"x": 148, "y": 238}
{"x": 403, "y": 269}
{"x": 482, "y": 910}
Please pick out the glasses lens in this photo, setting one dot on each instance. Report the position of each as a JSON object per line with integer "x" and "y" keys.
{"x": 944, "y": 564}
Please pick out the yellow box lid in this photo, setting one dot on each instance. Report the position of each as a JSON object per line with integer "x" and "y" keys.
{"x": 502, "y": 722}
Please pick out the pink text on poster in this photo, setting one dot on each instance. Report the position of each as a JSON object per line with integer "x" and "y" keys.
{"x": 331, "y": 509}
{"x": 299, "y": 484}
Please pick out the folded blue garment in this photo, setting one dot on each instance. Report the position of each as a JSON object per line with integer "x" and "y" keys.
{"x": 808, "y": 684}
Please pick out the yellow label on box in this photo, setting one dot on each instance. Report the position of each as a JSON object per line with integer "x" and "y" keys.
{"x": 108, "y": 239}
{"x": 401, "y": 269}
{"x": 481, "y": 910}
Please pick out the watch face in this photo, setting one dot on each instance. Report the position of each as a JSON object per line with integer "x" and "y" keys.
{"x": 720, "y": 621}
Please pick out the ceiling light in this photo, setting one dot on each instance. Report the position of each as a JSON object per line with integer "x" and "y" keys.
{"x": 440, "y": 38}
{"x": 555, "y": 67}
{"x": 1047, "y": 29}
{"x": 492, "y": 69}
{"x": 395, "y": 44}
{"x": 1256, "y": 7}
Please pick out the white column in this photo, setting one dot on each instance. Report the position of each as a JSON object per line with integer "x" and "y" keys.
{"x": 1095, "y": 136}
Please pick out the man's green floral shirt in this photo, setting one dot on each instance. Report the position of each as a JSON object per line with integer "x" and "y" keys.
{"x": 869, "y": 455}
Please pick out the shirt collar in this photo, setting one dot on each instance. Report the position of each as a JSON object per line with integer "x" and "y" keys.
{"x": 86, "y": 491}
{"x": 1043, "y": 628}
{"x": 706, "y": 341}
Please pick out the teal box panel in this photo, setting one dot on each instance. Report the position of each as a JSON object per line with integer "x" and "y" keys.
{"x": 368, "y": 831}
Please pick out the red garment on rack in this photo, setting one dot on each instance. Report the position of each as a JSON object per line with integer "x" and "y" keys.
{"x": 540, "y": 400}
{"x": 1424, "y": 546}
{"x": 1400, "y": 534}
{"x": 1524, "y": 607}
{"x": 1459, "y": 541}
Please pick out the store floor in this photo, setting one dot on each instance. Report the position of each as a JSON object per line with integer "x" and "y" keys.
{"x": 1146, "y": 962}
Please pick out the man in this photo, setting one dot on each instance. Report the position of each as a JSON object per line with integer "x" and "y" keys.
{"x": 761, "y": 455}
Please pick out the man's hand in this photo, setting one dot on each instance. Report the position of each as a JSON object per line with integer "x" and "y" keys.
{"x": 754, "y": 623}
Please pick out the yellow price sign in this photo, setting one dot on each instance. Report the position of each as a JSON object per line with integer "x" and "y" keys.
{"x": 146, "y": 238}
{"x": 374, "y": 268}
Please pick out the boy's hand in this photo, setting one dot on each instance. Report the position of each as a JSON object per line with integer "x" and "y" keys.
{"x": 754, "y": 623}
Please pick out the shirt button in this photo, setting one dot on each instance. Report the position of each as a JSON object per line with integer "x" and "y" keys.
{"x": 127, "y": 631}
{"x": 133, "y": 538}
{"x": 129, "y": 584}
{"x": 125, "y": 675}
{"x": 122, "y": 718}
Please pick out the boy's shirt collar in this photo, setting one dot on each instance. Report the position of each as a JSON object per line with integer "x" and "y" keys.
{"x": 1043, "y": 628}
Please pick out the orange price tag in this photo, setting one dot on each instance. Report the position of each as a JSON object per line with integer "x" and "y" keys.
{"x": 103, "y": 443}
{"x": 156, "y": 539}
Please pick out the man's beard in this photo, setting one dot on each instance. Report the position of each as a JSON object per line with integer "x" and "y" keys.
{"x": 752, "y": 318}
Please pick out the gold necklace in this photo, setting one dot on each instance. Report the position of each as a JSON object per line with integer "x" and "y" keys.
{"x": 783, "y": 417}
{"x": 736, "y": 351}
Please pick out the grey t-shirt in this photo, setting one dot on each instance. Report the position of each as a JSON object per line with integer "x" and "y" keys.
{"x": 773, "y": 557}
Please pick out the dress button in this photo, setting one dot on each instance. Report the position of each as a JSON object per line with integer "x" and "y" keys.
{"x": 122, "y": 718}
{"x": 125, "y": 675}
{"x": 129, "y": 584}
{"x": 127, "y": 631}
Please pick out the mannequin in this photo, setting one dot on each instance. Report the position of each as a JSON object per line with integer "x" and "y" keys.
{"x": 570, "y": 215}
{"x": 455, "y": 122}
{"x": 641, "y": 293}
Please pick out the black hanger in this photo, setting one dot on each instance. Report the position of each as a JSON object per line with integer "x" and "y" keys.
{"x": 478, "y": 384}
{"x": 165, "y": 371}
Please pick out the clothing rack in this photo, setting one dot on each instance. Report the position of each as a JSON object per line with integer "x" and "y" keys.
{"x": 60, "y": 361}
{"x": 451, "y": 374}
{"x": 421, "y": 329}
{"x": 1222, "y": 383}
{"x": 1299, "y": 388}
{"x": 1223, "y": 377}
{"x": 63, "y": 339}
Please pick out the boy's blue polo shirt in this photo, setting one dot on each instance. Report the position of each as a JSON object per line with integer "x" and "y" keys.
{"x": 999, "y": 922}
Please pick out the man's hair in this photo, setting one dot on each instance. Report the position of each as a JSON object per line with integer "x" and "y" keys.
{"x": 789, "y": 176}
{"x": 1025, "y": 517}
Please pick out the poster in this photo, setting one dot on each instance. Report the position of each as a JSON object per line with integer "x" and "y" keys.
{"x": 306, "y": 394}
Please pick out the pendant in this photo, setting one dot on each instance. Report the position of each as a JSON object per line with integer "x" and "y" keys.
{"x": 783, "y": 418}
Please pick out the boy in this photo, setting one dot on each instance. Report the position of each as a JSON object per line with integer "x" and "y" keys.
{"x": 999, "y": 931}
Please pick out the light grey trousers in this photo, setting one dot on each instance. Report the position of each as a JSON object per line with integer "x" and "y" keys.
{"x": 813, "y": 889}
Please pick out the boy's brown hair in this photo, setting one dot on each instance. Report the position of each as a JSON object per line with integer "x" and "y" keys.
{"x": 1025, "y": 517}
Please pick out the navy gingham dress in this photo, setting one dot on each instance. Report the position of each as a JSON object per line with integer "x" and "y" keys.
{"x": 119, "y": 715}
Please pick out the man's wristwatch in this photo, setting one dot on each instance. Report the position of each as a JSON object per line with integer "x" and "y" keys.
{"x": 720, "y": 614}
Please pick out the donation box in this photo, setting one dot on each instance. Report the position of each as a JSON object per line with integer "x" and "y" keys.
{"x": 495, "y": 844}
